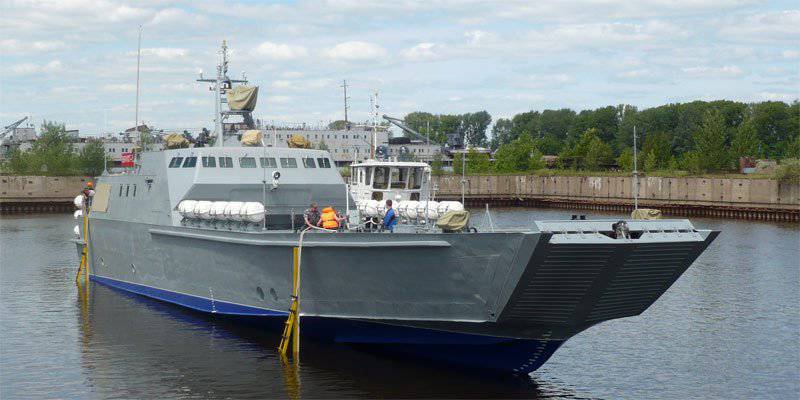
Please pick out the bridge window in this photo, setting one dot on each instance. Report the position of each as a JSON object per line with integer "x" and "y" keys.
{"x": 415, "y": 181}
{"x": 308, "y": 162}
{"x": 120, "y": 190}
{"x": 399, "y": 178}
{"x": 225, "y": 162}
{"x": 209, "y": 162}
{"x": 381, "y": 180}
{"x": 324, "y": 162}
{"x": 134, "y": 190}
{"x": 247, "y": 162}
{"x": 190, "y": 162}
{"x": 268, "y": 162}
{"x": 175, "y": 162}
{"x": 127, "y": 190}
{"x": 288, "y": 163}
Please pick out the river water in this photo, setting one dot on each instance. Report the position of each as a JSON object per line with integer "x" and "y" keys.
{"x": 728, "y": 328}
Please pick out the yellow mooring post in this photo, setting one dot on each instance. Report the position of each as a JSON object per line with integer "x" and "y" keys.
{"x": 84, "y": 265}
{"x": 291, "y": 331}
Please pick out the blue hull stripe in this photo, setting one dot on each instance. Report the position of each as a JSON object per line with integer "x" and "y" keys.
{"x": 190, "y": 301}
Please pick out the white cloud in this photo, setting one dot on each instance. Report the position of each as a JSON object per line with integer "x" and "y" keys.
{"x": 14, "y": 46}
{"x": 120, "y": 87}
{"x": 774, "y": 96}
{"x": 277, "y": 51}
{"x": 478, "y": 37}
{"x": 422, "y": 52}
{"x": 355, "y": 51}
{"x": 33, "y": 68}
{"x": 302, "y": 85}
{"x": 791, "y": 54}
{"x": 727, "y": 71}
{"x": 763, "y": 27}
{"x": 167, "y": 53}
{"x": 279, "y": 99}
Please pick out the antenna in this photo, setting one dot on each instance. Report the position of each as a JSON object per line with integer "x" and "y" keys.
{"x": 635, "y": 173}
{"x": 346, "y": 122}
{"x": 376, "y": 110}
{"x": 138, "y": 64}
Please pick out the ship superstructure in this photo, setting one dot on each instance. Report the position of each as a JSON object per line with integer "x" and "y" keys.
{"x": 214, "y": 229}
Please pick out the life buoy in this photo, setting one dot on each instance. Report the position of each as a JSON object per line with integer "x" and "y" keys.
{"x": 328, "y": 218}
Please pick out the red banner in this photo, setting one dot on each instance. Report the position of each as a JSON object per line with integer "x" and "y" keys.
{"x": 127, "y": 160}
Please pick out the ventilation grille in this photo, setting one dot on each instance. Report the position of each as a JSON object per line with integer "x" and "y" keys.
{"x": 646, "y": 274}
{"x": 559, "y": 284}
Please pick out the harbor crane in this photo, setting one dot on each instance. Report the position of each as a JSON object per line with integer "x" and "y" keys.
{"x": 400, "y": 124}
{"x": 10, "y": 128}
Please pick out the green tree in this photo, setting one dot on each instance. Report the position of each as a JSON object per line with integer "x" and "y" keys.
{"x": 589, "y": 153}
{"x": 658, "y": 148}
{"x": 501, "y": 133}
{"x": 321, "y": 145}
{"x": 625, "y": 159}
{"x": 793, "y": 149}
{"x": 476, "y": 163}
{"x": 93, "y": 158}
{"x": 51, "y": 154}
{"x": 777, "y": 124}
{"x": 527, "y": 123}
{"x": 712, "y": 154}
{"x": 651, "y": 162}
{"x": 514, "y": 156}
{"x": 745, "y": 142}
{"x": 474, "y": 127}
{"x": 555, "y": 124}
{"x": 338, "y": 125}
{"x": 549, "y": 144}
{"x": 436, "y": 164}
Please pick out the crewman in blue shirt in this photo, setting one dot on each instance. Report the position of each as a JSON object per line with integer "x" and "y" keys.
{"x": 390, "y": 220}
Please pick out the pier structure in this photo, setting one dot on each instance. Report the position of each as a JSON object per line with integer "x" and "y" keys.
{"x": 35, "y": 194}
{"x": 756, "y": 199}
{"x": 745, "y": 198}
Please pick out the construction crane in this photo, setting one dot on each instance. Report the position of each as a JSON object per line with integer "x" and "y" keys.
{"x": 400, "y": 124}
{"x": 10, "y": 128}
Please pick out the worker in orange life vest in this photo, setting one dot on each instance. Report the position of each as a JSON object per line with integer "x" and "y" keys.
{"x": 330, "y": 219}
{"x": 88, "y": 193}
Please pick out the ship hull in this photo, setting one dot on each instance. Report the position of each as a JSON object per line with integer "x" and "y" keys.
{"x": 519, "y": 356}
{"x": 503, "y": 301}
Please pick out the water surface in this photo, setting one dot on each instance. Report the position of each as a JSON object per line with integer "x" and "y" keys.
{"x": 728, "y": 328}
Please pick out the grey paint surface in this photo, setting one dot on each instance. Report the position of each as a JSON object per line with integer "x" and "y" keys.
{"x": 518, "y": 284}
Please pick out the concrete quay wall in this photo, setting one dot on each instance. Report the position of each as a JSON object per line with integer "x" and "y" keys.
{"x": 717, "y": 197}
{"x": 39, "y": 193}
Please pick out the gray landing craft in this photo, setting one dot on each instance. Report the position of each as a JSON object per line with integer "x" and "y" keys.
{"x": 214, "y": 228}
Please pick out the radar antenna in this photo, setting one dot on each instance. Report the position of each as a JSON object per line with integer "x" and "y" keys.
{"x": 221, "y": 84}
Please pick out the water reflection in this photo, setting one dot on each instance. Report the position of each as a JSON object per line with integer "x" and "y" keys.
{"x": 159, "y": 351}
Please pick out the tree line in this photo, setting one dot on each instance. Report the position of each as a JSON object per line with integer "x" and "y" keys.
{"x": 698, "y": 136}
{"x": 53, "y": 154}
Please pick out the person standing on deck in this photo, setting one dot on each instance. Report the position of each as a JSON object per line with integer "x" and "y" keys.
{"x": 390, "y": 220}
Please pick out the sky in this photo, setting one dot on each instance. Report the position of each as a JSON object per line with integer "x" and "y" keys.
{"x": 74, "y": 61}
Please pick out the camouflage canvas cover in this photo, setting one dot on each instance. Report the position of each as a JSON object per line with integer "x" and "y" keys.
{"x": 176, "y": 141}
{"x": 251, "y": 137}
{"x": 298, "y": 142}
{"x": 242, "y": 98}
{"x": 453, "y": 221}
{"x": 646, "y": 213}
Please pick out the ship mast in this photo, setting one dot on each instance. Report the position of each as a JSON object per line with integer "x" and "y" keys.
{"x": 221, "y": 84}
